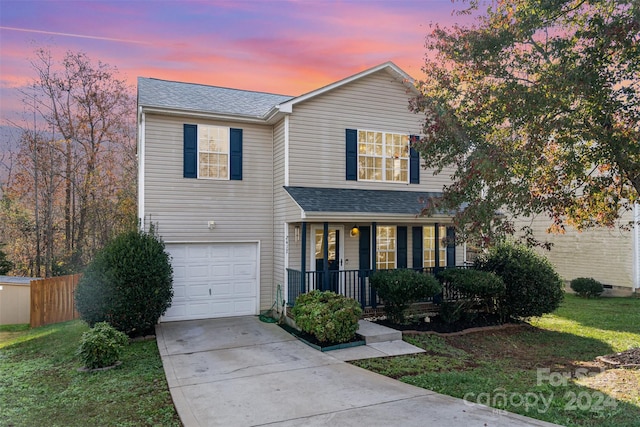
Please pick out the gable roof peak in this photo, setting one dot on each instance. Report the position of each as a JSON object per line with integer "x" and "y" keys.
{"x": 389, "y": 66}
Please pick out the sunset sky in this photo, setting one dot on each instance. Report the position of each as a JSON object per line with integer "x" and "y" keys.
{"x": 284, "y": 46}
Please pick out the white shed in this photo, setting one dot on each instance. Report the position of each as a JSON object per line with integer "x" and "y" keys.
{"x": 15, "y": 300}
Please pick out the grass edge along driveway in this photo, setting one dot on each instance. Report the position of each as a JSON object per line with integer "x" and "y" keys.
{"x": 40, "y": 383}
{"x": 544, "y": 370}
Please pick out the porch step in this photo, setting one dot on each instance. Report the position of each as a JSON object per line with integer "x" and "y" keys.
{"x": 373, "y": 333}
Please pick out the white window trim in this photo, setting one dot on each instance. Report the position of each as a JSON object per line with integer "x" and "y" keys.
{"x": 395, "y": 250}
{"x": 384, "y": 157}
{"x": 443, "y": 248}
{"x": 228, "y": 130}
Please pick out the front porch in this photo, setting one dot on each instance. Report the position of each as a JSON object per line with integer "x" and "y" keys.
{"x": 350, "y": 283}
{"x": 343, "y": 236}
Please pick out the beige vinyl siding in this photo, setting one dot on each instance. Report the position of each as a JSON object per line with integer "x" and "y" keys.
{"x": 181, "y": 207}
{"x": 317, "y": 132}
{"x": 278, "y": 201}
{"x": 606, "y": 254}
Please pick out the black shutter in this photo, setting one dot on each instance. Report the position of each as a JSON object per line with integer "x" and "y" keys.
{"x": 451, "y": 247}
{"x": 235, "y": 154}
{"x": 401, "y": 254}
{"x": 414, "y": 162}
{"x": 352, "y": 155}
{"x": 418, "y": 257}
{"x": 190, "y": 156}
{"x": 365, "y": 248}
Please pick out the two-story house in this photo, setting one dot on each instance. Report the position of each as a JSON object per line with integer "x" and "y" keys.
{"x": 254, "y": 192}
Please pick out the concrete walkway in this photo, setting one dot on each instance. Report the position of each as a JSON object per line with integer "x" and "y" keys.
{"x": 242, "y": 372}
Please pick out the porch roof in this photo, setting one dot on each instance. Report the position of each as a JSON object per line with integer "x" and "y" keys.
{"x": 347, "y": 200}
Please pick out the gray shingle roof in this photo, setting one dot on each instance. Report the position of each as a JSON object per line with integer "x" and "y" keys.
{"x": 312, "y": 199}
{"x": 212, "y": 99}
{"x": 17, "y": 280}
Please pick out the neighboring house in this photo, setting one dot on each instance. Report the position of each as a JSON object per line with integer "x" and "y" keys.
{"x": 609, "y": 255}
{"x": 253, "y": 191}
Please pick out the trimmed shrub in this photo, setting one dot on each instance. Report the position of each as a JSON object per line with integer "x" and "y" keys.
{"x": 481, "y": 289}
{"x": 533, "y": 287}
{"x": 327, "y": 316}
{"x": 101, "y": 346}
{"x": 398, "y": 289}
{"x": 128, "y": 284}
{"x": 587, "y": 287}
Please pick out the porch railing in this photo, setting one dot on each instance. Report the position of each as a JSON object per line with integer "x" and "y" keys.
{"x": 350, "y": 283}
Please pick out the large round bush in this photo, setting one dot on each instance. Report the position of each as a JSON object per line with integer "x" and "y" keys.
{"x": 328, "y": 316}
{"x": 533, "y": 287}
{"x": 128, "y": 284}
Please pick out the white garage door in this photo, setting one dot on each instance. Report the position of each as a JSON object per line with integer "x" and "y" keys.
{"x": 213, "y": 280}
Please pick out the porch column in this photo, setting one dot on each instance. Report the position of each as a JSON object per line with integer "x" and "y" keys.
{"x": 436, "y": 235}
{"x": 325, "y": 254}
{"x": 374, "y": 260}
{"x": 303, "y": 258}
{"x": 374, "y": 245}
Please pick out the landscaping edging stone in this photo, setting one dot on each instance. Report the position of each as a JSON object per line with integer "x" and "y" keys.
{"x": 466, "y": 331}
{"x": 332, "y": 347}
{"x": 296, "y": 333}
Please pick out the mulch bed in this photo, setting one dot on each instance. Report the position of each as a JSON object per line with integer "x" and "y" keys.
{"x": 438, "y": 325}
{"x": 629, "y": 359}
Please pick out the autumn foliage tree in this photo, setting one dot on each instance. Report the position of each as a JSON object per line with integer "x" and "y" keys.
{"x": 72, "y": 185}
{"x": 536, "y": 108}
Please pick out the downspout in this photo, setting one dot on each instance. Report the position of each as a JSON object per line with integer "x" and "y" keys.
{"x": 141, "y": 170}
{"x": 286, "y": 150}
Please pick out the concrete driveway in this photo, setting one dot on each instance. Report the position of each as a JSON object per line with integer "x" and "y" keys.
{"x": 242, "y": 372}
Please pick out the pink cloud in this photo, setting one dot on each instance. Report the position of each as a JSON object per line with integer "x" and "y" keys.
{"x": 287, "y": 47}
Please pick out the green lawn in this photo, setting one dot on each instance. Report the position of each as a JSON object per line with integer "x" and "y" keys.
{"x": 545, "y": 370}
{"x": 41, "y": 386}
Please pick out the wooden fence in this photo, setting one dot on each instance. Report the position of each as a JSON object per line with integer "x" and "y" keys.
{"x": 52, "y": 300}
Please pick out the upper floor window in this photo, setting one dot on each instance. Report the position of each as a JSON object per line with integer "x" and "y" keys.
{"x": 213, "y": 152}
{"x": 383, "y": 156}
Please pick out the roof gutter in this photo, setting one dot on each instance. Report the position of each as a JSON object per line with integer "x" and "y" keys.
{"x": 202, "y": 115}
{"x": 373, "y": 217}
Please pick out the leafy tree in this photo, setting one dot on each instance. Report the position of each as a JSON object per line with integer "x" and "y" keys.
{"x": 536, "y": 108}
{"x": 74, "y": 168}
{"x": 5, "y": 264}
